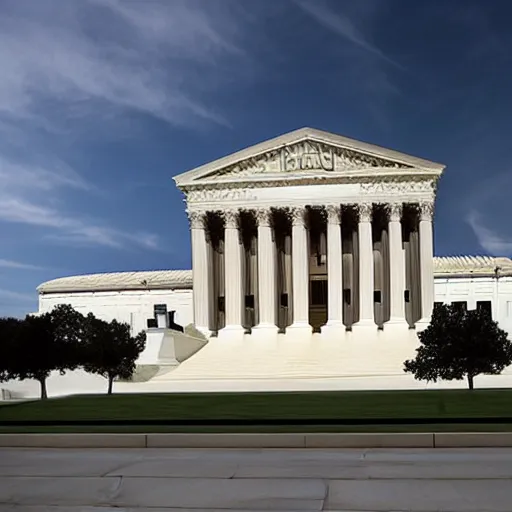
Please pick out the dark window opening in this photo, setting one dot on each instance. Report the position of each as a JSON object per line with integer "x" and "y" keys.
{"x": 221, "y": 304}
{"x": 283, "y": 300}
{"x": 151, "y": 322}
{"x": 407, "y": 296}
{"x": 160, "y": 309}
{"x": 319, "y": 293}
{"x": 377, "y": 296}
{"x": 249, "y": 301}
{"x": 485, "y": 305}
{"x": 460, "y": 305}
{"x": 347, "y": 296}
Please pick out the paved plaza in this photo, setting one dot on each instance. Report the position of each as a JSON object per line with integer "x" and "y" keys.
{"x": 53, "y": 480}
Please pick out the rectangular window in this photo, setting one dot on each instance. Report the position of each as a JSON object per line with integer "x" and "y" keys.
{"x": 249, "y": 301}
{"x": 221, "y": 303}
{"x": 377, "y": 296}
{"x": 160, "y": 309}
{"x": 347, "y": 296}
{"x": 284, "y": 300}
{"x": 151, "y": 322}
{"x": 407, "y": 296}
{"x": 485, "y": 305}
{"x": 319, "y": 293}
{"x": 461, "y": 305}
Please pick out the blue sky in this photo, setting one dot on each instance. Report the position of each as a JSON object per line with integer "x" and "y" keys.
{"x": 102, "y": 102}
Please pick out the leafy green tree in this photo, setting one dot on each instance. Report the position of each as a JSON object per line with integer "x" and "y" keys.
{"x": 460, "y": 344}
{"x": 110, "y": 350}
{"x": 9, "y": 332}
{"x": 46, "y": 343}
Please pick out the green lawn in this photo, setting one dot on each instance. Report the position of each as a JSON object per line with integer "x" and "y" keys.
{"x": 259, "y": 406}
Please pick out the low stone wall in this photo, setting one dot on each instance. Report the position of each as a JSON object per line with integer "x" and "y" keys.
{"x": 370, "y": 440}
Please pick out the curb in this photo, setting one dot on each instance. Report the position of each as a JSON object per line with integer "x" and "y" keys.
{"x": 370, "y": 440}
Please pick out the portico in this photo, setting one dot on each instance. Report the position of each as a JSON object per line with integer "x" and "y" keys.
{"x": 311, "y": 232}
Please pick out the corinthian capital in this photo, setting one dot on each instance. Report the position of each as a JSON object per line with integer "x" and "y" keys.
{"x": 395, "y": 212}
{"x": 364, "y": 211}
{"x": 197, "y": 219}
{"x": 333, "y": 213}
{"x": 263, "y": 216}
{"x": 426, "y": 209}
{"x": 298, "y": 215}
{"x": 231, "y": 217}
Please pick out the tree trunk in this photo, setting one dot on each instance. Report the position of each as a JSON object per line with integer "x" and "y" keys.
{"x": 44, "y": 393}
{"x": 470, "y": 381}
{"x": 110, "y": 384}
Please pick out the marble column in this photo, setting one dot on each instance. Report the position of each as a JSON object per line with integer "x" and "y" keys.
{"x": 233, "y": 275}
{"x": 200, "y": 272}
{"x": 366, "y": 279}
{"x": 267, "y": 289}
{"x": 396, "y": 269}
{"x": 426, "y": 211}
{"x": 300, "y": 273}
{"x": 334, "y": 272}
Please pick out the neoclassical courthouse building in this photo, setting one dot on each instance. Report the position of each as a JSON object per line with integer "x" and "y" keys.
{"x": 312, "y": 267}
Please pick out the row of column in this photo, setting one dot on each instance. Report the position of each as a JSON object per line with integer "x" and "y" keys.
{"x": 300, "y": 269}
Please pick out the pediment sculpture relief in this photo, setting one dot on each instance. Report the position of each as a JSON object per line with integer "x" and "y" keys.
{"x": 305, "y": 157}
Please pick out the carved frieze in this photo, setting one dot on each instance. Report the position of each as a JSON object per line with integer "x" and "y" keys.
{"x": 391, "y": 187}
{"x": 219, "y": 194}
{"x": 307, "y": 156}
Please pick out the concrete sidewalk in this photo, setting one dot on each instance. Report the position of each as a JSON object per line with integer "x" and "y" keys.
{"x": 108, "y": 480}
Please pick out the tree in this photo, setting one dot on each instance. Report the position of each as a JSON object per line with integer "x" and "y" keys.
{"x": 460, "y": 344}
{"x": 46, "y": 343}
{"x": 9, "y": 332}
{"x": 110, "y": 351}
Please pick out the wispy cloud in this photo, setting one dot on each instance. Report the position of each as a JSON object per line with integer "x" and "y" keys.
{"x": 17, "y": 296}
{"x": 344, "y": 26}
{"x": 18, "y": 265}
{"x": 72, "y": 230}
{"x": 489, "y": 239}
{"x": 68, "y": 69}
{"x": 107, "y": 56}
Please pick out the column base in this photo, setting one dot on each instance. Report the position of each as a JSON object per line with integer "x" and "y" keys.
{"x": 232, "y": 332}
{"x": 265, "y": 331}
{"x": 334, "y": 328}
{"x": 398, "y": 325}
{"x": 300, "y": 329}
{"x": 364, "y": 327}
{"x": 397, "y": 322}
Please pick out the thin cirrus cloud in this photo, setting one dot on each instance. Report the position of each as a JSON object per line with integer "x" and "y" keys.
{"x": 18, "y": 265}
{"x": 73, "y": 231}
{"x": 489, "y": 239}
{"x": 69, "y": 67}
{"x": 137, "y": 56}
{"x": 9, "y": 295}
{"x": 343, "y": 26}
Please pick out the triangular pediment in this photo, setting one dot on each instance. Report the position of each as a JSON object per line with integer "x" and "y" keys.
{"x": 305, "y": 153}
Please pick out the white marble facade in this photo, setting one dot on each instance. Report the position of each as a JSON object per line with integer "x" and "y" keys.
{"x": 369, "y": 210}
{"x": 312, "y": 262}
